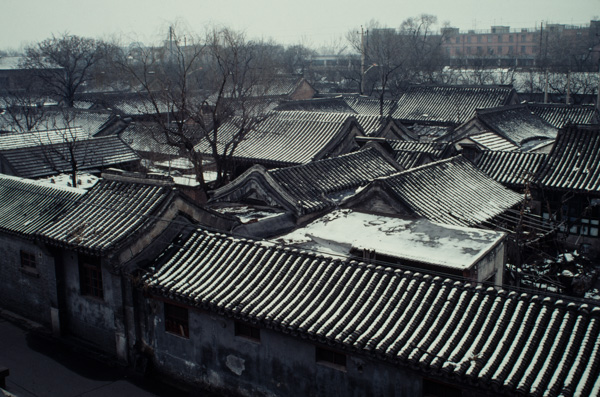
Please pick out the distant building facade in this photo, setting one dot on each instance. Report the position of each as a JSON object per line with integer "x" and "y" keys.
{"x": 503, "y": 46}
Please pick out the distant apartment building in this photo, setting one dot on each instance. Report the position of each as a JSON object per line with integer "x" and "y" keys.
{"x": 503, "y": 46}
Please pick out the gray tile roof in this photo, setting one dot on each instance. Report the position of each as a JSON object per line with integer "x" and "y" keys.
{"x": 574, "y": 162}
{"x": 510, "y": 168}
{"x": 559, "y": 115}
{"x": 493, "y": 141}
{"x": 516, "y": 123}
{"x": 149, "y": 137}
{"x": 38, "y": 161}
{"x": 309, "y": 187}
{"x": 451, "y": 191}
{"x": 91, "y": 122}
{"x": 450, "y": 105}
{"x": 370, "y": 106}
{"x": 287, "y": 138}
{"x": 332, "y": 104}
{"x": 16, "y": 140}
{"x": 111, "y": 212}
{"x": 438, "y": 150}
{"x": 27, "y": 206}
{"x": 506, "y": 342}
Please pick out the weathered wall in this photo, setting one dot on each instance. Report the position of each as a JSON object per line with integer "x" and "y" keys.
{"x": 89, "y": 318}
{"x": 29, "y": 293}
{"x": 492, "y": 264}
{"x": 278, "y": 365}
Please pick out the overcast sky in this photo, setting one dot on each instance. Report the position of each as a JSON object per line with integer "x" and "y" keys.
{"x": 311, "y": 22}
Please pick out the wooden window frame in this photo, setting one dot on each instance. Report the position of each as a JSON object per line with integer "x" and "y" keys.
{"x": 247, "y": 331}
{"x": 90, "y": 277}
{"x": 331, "y": 358}
{"x": 28, "y": 260}
{"x": 177, "y": 320}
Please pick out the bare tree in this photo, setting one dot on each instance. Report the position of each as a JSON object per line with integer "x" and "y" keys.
{"x": 411, "y": 53}
{"x": 65, "y": 148}
{"x": 64, "y": 63}
{"x": 193, "y": 86}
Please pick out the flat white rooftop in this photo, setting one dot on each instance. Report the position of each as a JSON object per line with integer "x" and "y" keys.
{"x": 416, "y": 240}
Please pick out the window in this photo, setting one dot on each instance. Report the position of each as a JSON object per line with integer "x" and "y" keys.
{"x": 90, "y": 276}
{"x": 330, "y": 357}
{"x": 499, "y": 50}
{"x": 27, "y": 260}
{"x": 247, "y": 331}
{"x": 523, "y": 38}
{"x": 499, "y": 39}
{"x": 523, "y": 49}
{"x": 489, "y": 39}
{"x": 457, "y": 40}
{"x": 510, "y": 39}
{"x": 177, "y": 320}
{"x": 437, "y": 389}
{"x": 479, "y": 39}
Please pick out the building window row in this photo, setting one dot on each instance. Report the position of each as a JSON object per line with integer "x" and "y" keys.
{"x": 177, "y": 323}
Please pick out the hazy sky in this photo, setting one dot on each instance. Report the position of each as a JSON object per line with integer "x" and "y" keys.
{"x": 311, "y": 22}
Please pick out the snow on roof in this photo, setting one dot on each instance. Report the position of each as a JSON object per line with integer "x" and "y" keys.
{"x": 415, "y": 240}
{"x": 85, "y": 180}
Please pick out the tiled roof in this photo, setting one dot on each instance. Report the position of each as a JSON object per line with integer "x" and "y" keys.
{"x": 559, "y": 115}
{"x": 108, "y": 214}
{"x": 308, "y": 187}
{"x": 451, "y": 191}
{"x": 414, "y": 240}
{"x": 282, "y": 86}
{"x": 333, "y": 104}
{"x": 35, "y": 138}
{"x": 311, "y": 183}
{"x": 370, "y": 106}
{"x": 510, "y": 168}
{"x": 493, "y": 141}
{"x": 91, "y": 122}
{"x": 492, "y": 340}
{"x": 574, "y": 162}
{"x": 517, "y": 123}
{"x": 287, "y": 138}
{"x": 371, "y": 125}
{"x": 438, "y": 150}
{"x": 408, "y": 159}
{"x": 149, "y": 137}
{"x": 27, "y": 206}
{"x": 449, "y": 104}
{"x": 33, "y": 162}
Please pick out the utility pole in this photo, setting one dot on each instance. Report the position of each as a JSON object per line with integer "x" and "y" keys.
{"x": 598, "y": 93}
{"x": 362, "y": 60}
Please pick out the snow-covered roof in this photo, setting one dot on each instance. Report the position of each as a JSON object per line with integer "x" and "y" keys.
{"x": 415, "y": 240}
{"x": 27, "y": 206}
{"x": 449, "y": 105}
{"x": 574, "y": 162}
{"x": 511, "y": 168}
{"x": 287, "y": 137}
{"x": 307, "y": 188}
{"x": 43, "y": 160}
{"x": 109, "y": 213}
{"x": 451, "y": 191}
{"x": 516, "y": 123}
{"x": 491, "y": 340}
